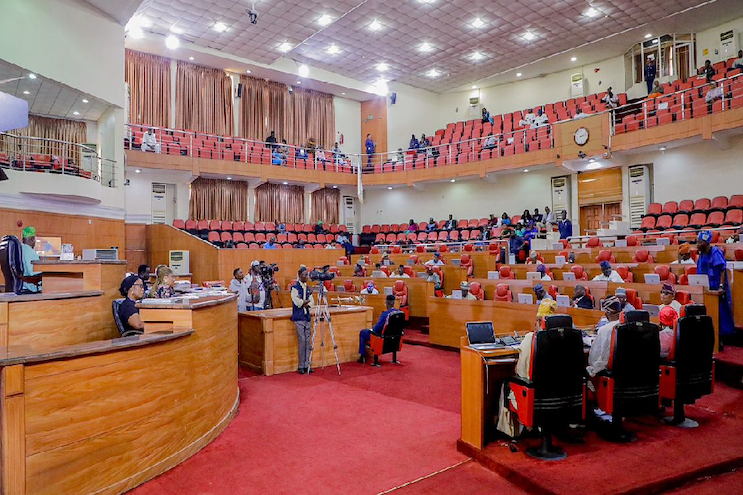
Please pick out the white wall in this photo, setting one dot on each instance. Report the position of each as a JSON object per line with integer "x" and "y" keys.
{"x": 67, "y": 41}
{"x": 416, "y": 112}
{"x": 348, "y": 123}
{"x": 139, "y": 193}
{"x": 710, "y": 40}
{"x": 511, "y": 193}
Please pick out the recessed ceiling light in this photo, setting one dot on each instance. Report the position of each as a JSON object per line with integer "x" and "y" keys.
{"x": 526, "y": 170}
{"x": 343, "y": 93}
{"x": 477, "y": 56}
{"x": 190, "y": 58}
{"x": 648, "y": 35}
{"x": 656, "y": 40}
{"x": 593, "y": 166}
{"x": 333, "y": 50}
{"x": 389, "y": 187}
{"x": 375, "y": 25}
{"x": 220, "y": 27}
{"x": 229, "y": 178}
{"x": 518, "y": 74}
{"x": 662, "y": 148}
{"x": 26, "y": 92}
{"x": 453, "y": 180}
{"x": 299, "y": 82}
{"x": 303, "y": 71}
{"x": 172, "y": 42}
{"x": 478, "y": 23}
{"x": 382, "y": 67}
{"x": 32, "y": 76}
{"x": 285, "y": 183}
{"x": 85, "y": 100}
{"x": 175, "y": 29}
{"x": 474, "y": 87}
{"x": 591, "y": 12}
{"x": 285, "y": 47}
{"x": 433, "y": 73}
{"x": 380, "y": 87}
{"x": 528, "y": 36}
{"x": 591, "y": 160}
{"x": 75, "y": 113}
{"x": 573, "y": 59}
{"x": 335, "y": 187}
{"x": 425, "y": 1}
{"x": 248, "y": 71}
{"x": 137, "y": 171}
{"x": 324, "y": 20}
{"x": 425, "y": 47}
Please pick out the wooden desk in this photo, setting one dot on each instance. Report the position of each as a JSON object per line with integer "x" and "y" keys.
{"x": 138, "y": 406}
{"x": 481, "y": 383}
{"x": 76, "y": 275}
{"x": 268, "y": 339}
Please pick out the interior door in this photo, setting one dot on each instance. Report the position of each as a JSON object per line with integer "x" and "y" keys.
{"x": 590, "y": 218}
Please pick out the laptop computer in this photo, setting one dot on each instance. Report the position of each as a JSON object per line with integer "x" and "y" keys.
{"x": 340, "y": 288}
{"x": 481, "y": 335}
{"x": 560, "y": 261}
{"x": 456, "y": 294}
{"x": 423, "y": 275}
{"x": 456, "y": 262}
{"x": 493, "y": 275}
{"x": 652, "y": 309}
{"x": 652, "y": 278}
{"x": 563, "y": 301}
{"x": 387, "y": 291}
{"x": 702, "y": 280}
{"x": 533, "y": 276}
{"x": 568, "y": 276}
{"x": 378, "y": 273}
{"x": 526, "y": 299}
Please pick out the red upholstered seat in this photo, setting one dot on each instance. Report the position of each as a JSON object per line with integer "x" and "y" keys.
{"x": 506, "y": 273}
{"x": 238, "y": 237}
{"x": 605, "y": 255}
{"x": 192, "y": 226}
{"x": 697, "y": 220}
{"x": 631, "y": 240}
{"x": 664, "y": 222}
{"x": 680, "y": 221}
{"x": 476, "y": 290}
{"x": 580, "y": 273}
{"x": 179, "y": 224}
{"x": 655, "y": 209}
{"x": 213, "y": 236}
{"x": 648, "y": 223}
{"x": 626, "y": 275}
{"x": 736, "y": 201}
{"x": 466, "y": 262}
{"x": 214, "y": 225}
{"x": 686, "y": 206}
{"x": 739, "y": 254}
{"x": 702, "y": 204}
{"x": 349, "y": 286}
{"x": 670, "y": 207}
{"x": 733, "y": 217}
{"x": 593, "y": 242}
{"x": 502, "y": 293}
{"x": 642, "y": 256}
{"x": 719, "y": 203}
{"x": 374, "y": 250}
{"x": 400, "y": 291}
{"x": 715, "y": 219}
{"x": 665, "y": 273}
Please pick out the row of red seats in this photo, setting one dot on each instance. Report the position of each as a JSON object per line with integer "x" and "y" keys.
{"x": 702, "y": 205}
{"x": 731, "y": 218}
{"x": 473, "y": 223}
{"x": 42, "y": 163}
{"x": 261, "y": 237}
{"x": 444, "y": 236}
{"x": 195, "y": 226}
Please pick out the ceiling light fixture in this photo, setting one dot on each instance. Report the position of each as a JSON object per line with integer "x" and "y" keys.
{"x": 425, "y": 1}
{"x": 425, "y": 47}
{"x": 229, "y": 178}
{"x": 591, "y": 160}
{"x": 382, "y": 67}
{"x": 324, "y": 20}
{"x": 453, "y": 180}
{"x": 477, "y": 56}
{"x": 662, "y": 148}
{"x": 655, "y": 41}
{"x": 135, "y": 32}
{"x": 593, "y": 166}
{"x": 518, "y": 74}
{"x": 375, "y": 25}
{"x": 285, "y": 183}
{"x": 478, "y": 23}
{"x": 526, "y": 170}
{"x": 648, "y": 35}
{"x": 474, "y": 87}
{"x": 573, "y": 59}
{"x": 299, "y": 82}
{"x": 528, "y": 36}
{"x": 333, "y": 50}
{"x": 26, "y": 92}
{"x": 172, "y": 42}
{"x": 137, "y": 171}
{"x": 335, "y": 187}
{"x": 175, "y": 29}
{"x": 343, "y": 94}
{"x": 591, "y": 12}
{"x": 190, "y": 58}
{"x": 248, "y": 71}
{"x": 380, "y": 87}
{"x": 389, "y": 187}
{"x": 303, "y": 71}
{"x": 32, "y": 76}
{"x": 285, "y": 47}
{"x": 433, "y": 73}
{"x": 85, "y": 100}
{"x": 220, "y": 27}
{"x": 75, "y": 113}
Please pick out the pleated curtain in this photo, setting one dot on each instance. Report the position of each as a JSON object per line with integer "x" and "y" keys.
{"x": 313, "y": 117}
{"x": 148, "y": 77}
{"x": 71, "y": 131}
{"x": 278, "y": 202}
{"x": 326, "y": 206}
{"x": 203, "y": 100}
{"x": 216, "y": 199}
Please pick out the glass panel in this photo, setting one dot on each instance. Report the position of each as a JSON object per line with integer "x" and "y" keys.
{"x": 666, "y": 56}
{"x": 682, "y": 60}
{"x": 639, "y": 67}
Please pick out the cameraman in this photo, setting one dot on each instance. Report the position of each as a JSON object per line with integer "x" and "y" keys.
{"x": 301, "y": 305}
{"x": 241, "y": 287}
{"x": 256, "y": 288}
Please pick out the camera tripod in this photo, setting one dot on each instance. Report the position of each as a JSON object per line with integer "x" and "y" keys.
{"x": 322, "y": 313}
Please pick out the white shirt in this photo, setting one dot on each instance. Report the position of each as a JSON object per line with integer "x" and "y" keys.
{"x": 579, "y": 116}
{"x": 614, "y": 277}
{"x": 380, "y": 274}
{"x": 598, "y": 356}
{"x": 713, "y": 94}
{"x": 298, "y": 301}
{"x": 685, "y": 262}
{"x": 242, "y": 289}
{"x": 546, "y": 278}
{"x": 342, "y": 239}
{"x": 149, "y": 139}
{"x": 549, "y": 218}
{"x": 539, "y": 121}
{"x": 528, "y": 119}
{"x": 674, "y": 304}
{"x": 397, "y": 275}
{"x": 435, "y": 262}
{"x": 490, "y": 141}
{"x": 366, "y": 292}
{"x": 524, "y": 362}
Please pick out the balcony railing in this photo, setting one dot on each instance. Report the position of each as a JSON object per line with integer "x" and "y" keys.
{"x": 33, "y": 154}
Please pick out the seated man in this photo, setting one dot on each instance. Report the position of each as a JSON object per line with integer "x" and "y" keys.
{"x": 400, "y": 273}
{"x": 580, "y": 298}
{"x": 276, "y": 158}
{"x": 149, "y": 142}
{"x": 598, "y": 356}
{"x": 433, "y": 278}
{"x": 621, "y": 295}
{"x": 359, "y": 270}
{"x": 386, "y": 260}
{"x": 714, "y": 93}
{"x": 436, "y": 261}
{"x": 464, "y": 287}
{"x": 542, "y": 270}
{"x": 540, "y": 120}
{"x": 29, "y": 256}
{"x": 489, "y": 142}
{"x": 540, "y": 293}
{"x": 378, "y": 271}
{"x": 431, "y": 225}
{"x": 365, "y": 335}
{"x": 668, "y": 298}
{"x": 684, "y": 256}
{"x": 579, "y": 114}
{"x": 668, "y": 318}
{"x": 607, "y": 274}
{"x": 369, "y": 289}
{"x": 132, "y": 289}
{"x": 319, "y": 229}
{"x": 610, "y": 99}
{"x": 738, "y": 62}
{"x": 450, "y": 224}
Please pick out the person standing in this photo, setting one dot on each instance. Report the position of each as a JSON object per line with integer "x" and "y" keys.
{"x": 302, "y": 304}
{"x": 565, "y": 226}
{"x": 29, "y": 256}
{"x": 241, "y": 287}
{"x": 271, "y": 140}
{"x": 650, "y": 73}
{"x": 370, "y": 149}
{"x": 711, "y": 262}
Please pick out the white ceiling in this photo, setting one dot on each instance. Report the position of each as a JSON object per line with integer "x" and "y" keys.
{"x": 559, "y": 27}
{"x": 119, "y": 10}
{"x": 47, "y": 97}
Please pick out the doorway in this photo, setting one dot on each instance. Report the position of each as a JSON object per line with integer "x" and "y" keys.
{"x": 594, "y": 217}
{"x": 599, "y": 199}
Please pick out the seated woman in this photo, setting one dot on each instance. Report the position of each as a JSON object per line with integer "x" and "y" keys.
{"x": 132, "y": 288}
{"x": 164, "y": 286}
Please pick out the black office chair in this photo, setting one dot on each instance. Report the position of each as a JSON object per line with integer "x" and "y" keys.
{"x": 555, "y": 395}
{"x": 11, "y": 262}
{"x": 630, "y": 384}
{"x": 688, "y": 372}
{"x": 391, "y": 338}
{"x": 115, "y": 304}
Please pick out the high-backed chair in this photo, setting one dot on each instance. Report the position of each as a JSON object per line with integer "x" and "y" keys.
{"x": 580, "y": 273}
{"x": 503, "y": 293}
{"x": 642, "y": 256}
{"x": 593, "y": 242}
{"x": 553, "y": 291}
{"x": 414, "y": 259}
{"x": 476, "y": 290}
{"x": 11, "y": 262}
{"x": 626, "y": 275}
{"x": 329, "y": 285}
{"x": 344, "y": 260}
{"x": 466, "y": 262}
{"x": 629, "y": 386}
{"x": 553, "y": 395}
{"x": 634, "y": 299}
{"x": 400, "y": 291}
{"x": 688, "y": 372}
{"x": 605, "y": 255}
{"x": 391, "y": 339}
{"x": 506, "y": 273}
{"x": 349, "y": 286}
{"x": 665, "y": 273}
{"x": 684, "y": 277}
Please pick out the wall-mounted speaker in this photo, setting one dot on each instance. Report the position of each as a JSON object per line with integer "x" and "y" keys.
{"x": 239, "y": 90}
{"x": 393, "y": 98}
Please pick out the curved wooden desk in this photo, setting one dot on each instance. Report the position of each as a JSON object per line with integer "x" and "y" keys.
{"x": 103, "y": 417}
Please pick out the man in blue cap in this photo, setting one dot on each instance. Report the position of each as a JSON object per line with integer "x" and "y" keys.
{"x": 711, "y": 262}
{"x": 540, "y": 293}
{"x": 607, "y": 274}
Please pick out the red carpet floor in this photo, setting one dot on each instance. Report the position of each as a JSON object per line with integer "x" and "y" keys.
{"x": 366, "y": 431}
{"x": 469, "y": 478}
{"x": 717, "y": 485}
{"x": 732, "y": 355}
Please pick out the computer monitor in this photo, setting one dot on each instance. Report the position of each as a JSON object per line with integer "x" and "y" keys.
{"x": 480, "y": 332}
{"x": 48, "y": 246}
{"x": 563, "y": 301}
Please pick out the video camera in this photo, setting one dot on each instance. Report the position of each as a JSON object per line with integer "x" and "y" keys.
{"x": 322, "y": 274}
{"x": 267, "y": 271}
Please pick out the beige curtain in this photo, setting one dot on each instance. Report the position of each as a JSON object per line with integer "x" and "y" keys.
{"x": 148, "y": 77}
{"x": 313, "y": 117}
{"x": 203, "y": 100}
{"x": 72, "y": 131}
{"x": 216, "y": 199}
{"x": 326, "y": 205}
{"x": 276, "y": 202}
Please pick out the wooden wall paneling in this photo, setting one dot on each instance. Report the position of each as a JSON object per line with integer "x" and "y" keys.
{"x": 288, "y": 261}
{"x": 737, "y": 289}
{"x": 81, "y": 232}
{"x": 374, "y": 122}
{"x": 161, "y": 239}
{"x": 597, "y": 127}
{"x": 107, "y": 410}
{"x": 12, "y": 420}
{"x": 136, "y": 246}
{"x": 601, "y": 186}
{"x": 3, "y": 324}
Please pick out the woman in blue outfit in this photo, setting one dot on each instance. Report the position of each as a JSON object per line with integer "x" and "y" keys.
{"x": 711, "y": 262}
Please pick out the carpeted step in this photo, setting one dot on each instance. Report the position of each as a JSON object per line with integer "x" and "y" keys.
{"x": 729, "y": 366}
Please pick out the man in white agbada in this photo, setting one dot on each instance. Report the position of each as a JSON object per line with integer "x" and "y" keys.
{"x": 598, "y": 356}
{"x": 149, "y": 142}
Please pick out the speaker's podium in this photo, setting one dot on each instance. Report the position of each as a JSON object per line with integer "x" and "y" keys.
{"x": 268, "y": 338}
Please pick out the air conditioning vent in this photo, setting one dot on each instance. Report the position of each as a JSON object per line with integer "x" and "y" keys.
{"x": 639, "y": 194}
{"x": 560, "y": 196}
{"x": 101, "y": 254}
